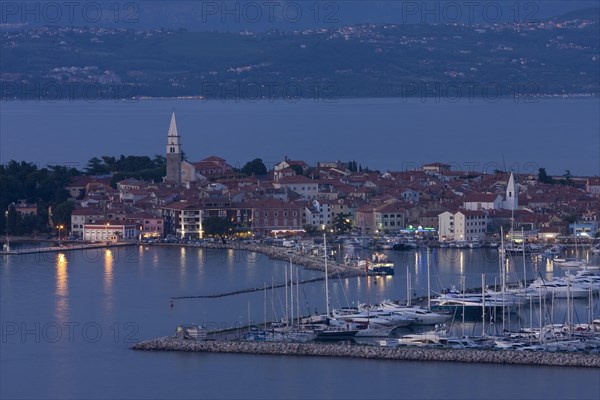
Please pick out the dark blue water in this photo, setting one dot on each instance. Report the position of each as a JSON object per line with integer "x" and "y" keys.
{"x": 68, "y": 321}
{"x": 394, "y": 134}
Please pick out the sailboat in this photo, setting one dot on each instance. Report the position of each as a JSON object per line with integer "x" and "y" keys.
{"x": 332, "y": 328}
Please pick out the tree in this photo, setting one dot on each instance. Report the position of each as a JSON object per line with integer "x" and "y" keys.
{"x": 543, "y": 176}
{"x": 310, "y": 230}
{"x": 254, "y": 167}
{"x": 96, "y": 167}
{"x": 567, "y": 178}
{"x": 297, "y": 169}
{"x": 217, "y": 226}
{"x": 342, "y": 223}
{"x": 61, "y": 214}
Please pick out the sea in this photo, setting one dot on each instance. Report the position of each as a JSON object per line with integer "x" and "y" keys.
{"x": 520, "y": 134}
{"x": 69, "y": 319}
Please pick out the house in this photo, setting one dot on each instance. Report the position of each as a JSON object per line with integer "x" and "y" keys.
{"x": 81, "y": 216}
{"x": 271, "y": 217}
{"x": 109, "y": 231}
{"x": 213, "y": 167}
{"x": 470, "y": 225}
{"x": 483, "y": 201}
{"x": 305, "y": 187}
{"x": 150, "y": 225}
{"x": 592, "y": 187}
{"x": 182, "y": 219}
{"x": 436, "y": 167}
{"x": 389, "y": 217}
{"x": 24, "y": 208}
{"x": 365, "y": 219}
{"x": 446, "y": 226}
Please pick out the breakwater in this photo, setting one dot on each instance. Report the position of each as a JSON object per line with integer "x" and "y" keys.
{"x": 372, "y": 352}
{"x": 308, "y": 261}
{"x": 64, "y": 248}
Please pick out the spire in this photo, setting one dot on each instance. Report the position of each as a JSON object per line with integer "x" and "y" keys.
{"x": 173, "y": 145}
{"x": 173, "y": 126}
{"x": 512, "y": 201}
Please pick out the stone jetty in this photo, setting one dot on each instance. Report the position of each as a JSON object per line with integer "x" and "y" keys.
{"x": 282, "y": 253}
{"x": 371, "y": 352}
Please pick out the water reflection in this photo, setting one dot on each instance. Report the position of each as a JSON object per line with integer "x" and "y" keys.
{"x": 108, "y": 280}
{"x": 62, "y": 288}
{"x": 182, "y": 261}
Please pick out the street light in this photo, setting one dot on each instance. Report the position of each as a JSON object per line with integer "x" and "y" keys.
{"x": 60, "y": 228}
{"x": 107, "y": 224}
{"x": 6, "y": 223}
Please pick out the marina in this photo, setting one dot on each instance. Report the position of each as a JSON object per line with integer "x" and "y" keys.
{"x": 158, "y": 273}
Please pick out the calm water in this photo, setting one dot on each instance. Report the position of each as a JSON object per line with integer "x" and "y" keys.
{"x": 394, "y": 134}
{"x": 68, "y": 320}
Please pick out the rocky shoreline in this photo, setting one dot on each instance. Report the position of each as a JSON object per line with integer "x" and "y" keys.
{"x": 370, "y": 352}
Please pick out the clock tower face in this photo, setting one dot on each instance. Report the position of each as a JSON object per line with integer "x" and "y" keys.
{"x": 183, "y": 173}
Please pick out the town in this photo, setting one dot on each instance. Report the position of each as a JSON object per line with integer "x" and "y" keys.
{"x": 445, "y": 207}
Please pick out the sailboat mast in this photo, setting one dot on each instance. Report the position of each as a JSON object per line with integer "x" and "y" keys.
{"x": 326, "y": 276}
{"x": 428, "y": 280}
{"x": 482, "y": 305}
{"x": 462, "y": 281}
{"x": 298, "y": 296}
{"x": 524, "y": 269}
{"x": 286, "y": 299}
{"x": 291, "y": 293}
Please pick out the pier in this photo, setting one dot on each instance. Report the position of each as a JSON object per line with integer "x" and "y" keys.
{"x": 64, "y": 248}
{"x": 506, "y": 357}
{"x": 308, "y": 261}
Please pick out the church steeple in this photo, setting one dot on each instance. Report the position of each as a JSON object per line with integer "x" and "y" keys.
{"x": 512, "y": 194}
{"x": 173, "y": 145}
{"x": 173, "y": 153}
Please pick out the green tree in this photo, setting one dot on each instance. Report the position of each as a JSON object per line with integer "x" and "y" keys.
{"x": 543, "y": 176}
{"x": 567, "y": 181}
{"x": 217, "y": 226}
{"x": 297, "y": 169}
{"x": 61, "y": 214}
{"x": 96, "y": 166}
{"x": 310, "y": 230}
{"x": 255, "y": 167}
{"x": 342, "y": 223}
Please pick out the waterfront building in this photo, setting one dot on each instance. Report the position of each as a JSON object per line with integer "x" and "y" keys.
{"x": 109, "y": 231}
{"x": 183, "y": 219}
{"x": 81, "y": 216}
{"x": 470, "y": 225}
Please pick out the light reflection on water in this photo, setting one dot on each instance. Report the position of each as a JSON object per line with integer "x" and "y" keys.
{"x": 108, "y": 280}
{"x": 62, "y": 288}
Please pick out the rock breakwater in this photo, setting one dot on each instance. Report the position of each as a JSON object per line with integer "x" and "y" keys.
{"x": 371, "y": 352}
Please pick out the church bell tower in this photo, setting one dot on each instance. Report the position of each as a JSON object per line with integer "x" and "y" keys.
{"x": 173, "y": 153}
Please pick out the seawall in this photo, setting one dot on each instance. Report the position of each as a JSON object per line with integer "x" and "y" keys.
{"x": 371, "y": 352}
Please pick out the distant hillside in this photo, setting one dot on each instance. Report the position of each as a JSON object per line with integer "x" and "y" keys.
{"x": 353, "y": 61}
{"x": 284, "y": 15}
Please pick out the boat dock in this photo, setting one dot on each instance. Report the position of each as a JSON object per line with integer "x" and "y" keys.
{"x": 507, "y": 357}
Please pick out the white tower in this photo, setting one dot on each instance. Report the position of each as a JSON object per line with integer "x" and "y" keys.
{"x": 511, "y": 201}
{"x": 173, "y": 153}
